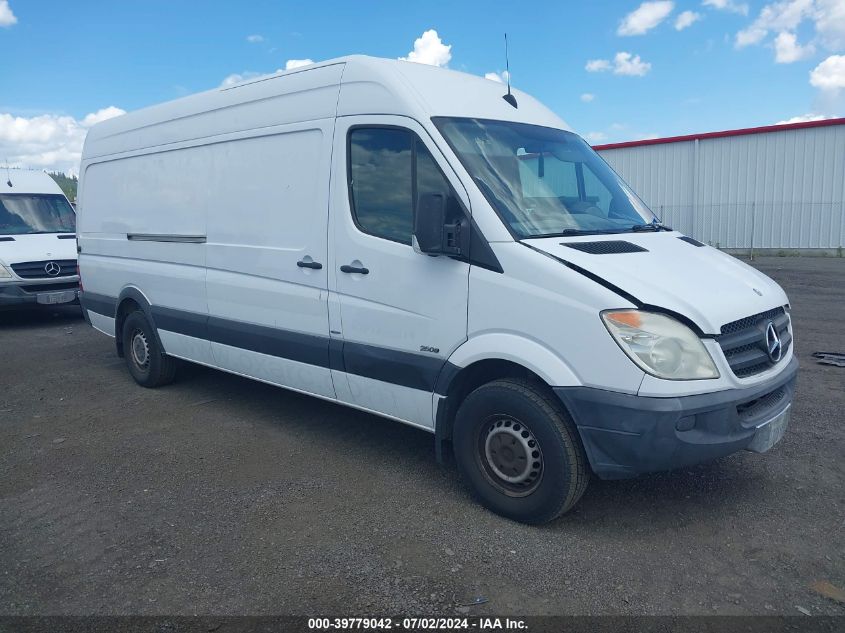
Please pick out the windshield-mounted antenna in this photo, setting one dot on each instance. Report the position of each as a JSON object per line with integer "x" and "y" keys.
{"x": 8, "y": 174}
{"x": 508, "y": 97}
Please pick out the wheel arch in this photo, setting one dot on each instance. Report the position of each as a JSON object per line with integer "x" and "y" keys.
{"x": 487, "y": 358}
{"x": 130, "y": 300}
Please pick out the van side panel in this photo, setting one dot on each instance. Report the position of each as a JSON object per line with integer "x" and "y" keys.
{"x": 144, "y": 225}
{"x": 263, "y": 103}
{"x": 268, "y": 313}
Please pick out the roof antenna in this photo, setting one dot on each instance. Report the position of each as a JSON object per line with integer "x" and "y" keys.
{"x": 8, "y": 174}
{"x": 508, "y": 97}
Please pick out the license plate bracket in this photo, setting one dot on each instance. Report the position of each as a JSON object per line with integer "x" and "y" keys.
{"x": 55, "y": 298}
{"x": 770, "y": 433}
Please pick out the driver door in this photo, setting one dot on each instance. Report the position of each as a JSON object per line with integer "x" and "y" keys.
{"x": 397, "y": 314}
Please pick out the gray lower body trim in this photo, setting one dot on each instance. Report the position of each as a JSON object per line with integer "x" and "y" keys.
{"x": 626, "y": 435}
{"x": 417, "y": 371}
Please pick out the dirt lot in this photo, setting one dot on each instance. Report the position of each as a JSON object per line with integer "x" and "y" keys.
{"x": 225, "y": 496}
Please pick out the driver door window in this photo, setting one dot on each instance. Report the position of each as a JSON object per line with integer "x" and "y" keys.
{"x": 389, "y": 169}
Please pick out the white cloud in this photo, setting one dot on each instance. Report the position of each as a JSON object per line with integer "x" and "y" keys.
{"x": 645, "y": 17}
{"x": 297, "y": 63}
{"x": 102, "y": 115}
{"x": 686, "y": 19}
{"x": 777, "y": 16}
{"x": 631, "y": 65}
{"x": 615, "y": 133}
{"x": 236, "y": 78}
{"x": 430, "y": 49}
{"x": 588, "y": 97}
{"x": 830, "y": 74}
{"x": 788, "y": 50}
{"x": 829, "y": 18}
{"x": 804, "y": 118}
{"x": 48, "y": 141}
{"x": 7, "y": 18}
{"x": 749, "y": 36}
{"x": 727, "y": 5}
{"x": 255, "y": 39}
{"x": 623, "y": 64}
{"x": 785, "y": 16}
{"x": 501, "y": 77}
{"x": 597, "y": 65}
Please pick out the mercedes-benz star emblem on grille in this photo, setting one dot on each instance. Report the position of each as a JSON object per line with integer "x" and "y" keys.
{"x": 52, "y": 269}
{"x": 773, "y": 345}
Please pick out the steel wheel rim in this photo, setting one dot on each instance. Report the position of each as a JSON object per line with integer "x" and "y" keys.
{"x": 510, "y": 455}
{"x": 140, "y": 349}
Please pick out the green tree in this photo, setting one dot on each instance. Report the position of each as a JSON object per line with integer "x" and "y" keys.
{"x": 68, "y": 184}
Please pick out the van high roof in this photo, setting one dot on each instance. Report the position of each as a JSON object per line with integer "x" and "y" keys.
{"x": 368, "y": 85}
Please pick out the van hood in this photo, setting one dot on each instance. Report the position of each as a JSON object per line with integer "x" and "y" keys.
{"x": 36, "y": 248}
{"x": 709, "y": 287}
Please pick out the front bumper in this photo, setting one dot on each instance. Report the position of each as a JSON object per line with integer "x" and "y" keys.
{"x": 627, "y": 435}
{"x": 33, "y": 293}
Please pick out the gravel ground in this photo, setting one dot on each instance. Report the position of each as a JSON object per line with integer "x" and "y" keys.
{"x": 219, "y": 495}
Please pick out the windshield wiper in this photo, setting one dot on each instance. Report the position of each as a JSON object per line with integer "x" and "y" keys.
{"x": 573, "y": 232}
{"x": 585, "y": 231}
{"x": 651, "y": 226}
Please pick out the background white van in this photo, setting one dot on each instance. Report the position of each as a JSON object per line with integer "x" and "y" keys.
{"x": 405, "y": 240}
{"x": 37, "y": 241}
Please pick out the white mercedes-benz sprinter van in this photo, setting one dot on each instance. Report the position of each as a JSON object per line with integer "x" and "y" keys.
{"x": 37, "y": 241}
{"x": 403, "y": 240}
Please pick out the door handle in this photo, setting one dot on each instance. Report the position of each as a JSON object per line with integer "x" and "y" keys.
{"x": 354, "y": 269}
{"x": 313, "y": 265}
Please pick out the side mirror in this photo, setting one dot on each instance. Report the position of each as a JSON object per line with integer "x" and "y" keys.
{"x": 432, "y": 235}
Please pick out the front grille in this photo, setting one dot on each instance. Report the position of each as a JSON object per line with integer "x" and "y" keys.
{"x": 69, "y": 285}
{"x": 606, "y": 247}
{"x": 744, "y": 341}
{"x": 38, "y": 270}
{"x": 761, "y": 405}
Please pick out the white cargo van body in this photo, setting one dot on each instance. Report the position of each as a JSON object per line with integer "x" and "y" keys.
{"x": 402, "y": 239}
{"x": 37, "y": 241}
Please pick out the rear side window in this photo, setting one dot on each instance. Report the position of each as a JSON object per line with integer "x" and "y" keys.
{"x": 389, "y": 169}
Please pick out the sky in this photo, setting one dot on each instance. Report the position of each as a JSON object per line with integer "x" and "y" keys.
{"x": 614, "y": 70}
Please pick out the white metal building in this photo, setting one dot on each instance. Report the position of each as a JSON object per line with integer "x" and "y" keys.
{"x": 775, "y": 188}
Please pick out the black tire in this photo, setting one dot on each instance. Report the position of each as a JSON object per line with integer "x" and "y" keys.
{"x": 147, "y": 362}
{"x": 504, "y": 429}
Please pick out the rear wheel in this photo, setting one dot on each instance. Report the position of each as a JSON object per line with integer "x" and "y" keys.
{"x": 519, "y": 451}
{"x": 147, "y": 362}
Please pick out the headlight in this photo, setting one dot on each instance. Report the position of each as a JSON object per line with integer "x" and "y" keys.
{"x": 4, "y": 272}
{"x": 660, "y": 345}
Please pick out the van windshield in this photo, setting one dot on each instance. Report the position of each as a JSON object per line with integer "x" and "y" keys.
{"x": 25, "y": 214}
{"x": 543, "y": 182}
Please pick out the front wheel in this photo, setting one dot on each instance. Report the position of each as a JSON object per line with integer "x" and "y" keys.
{"x": 147, "y": 362}
{"x": 519, "y": 451}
